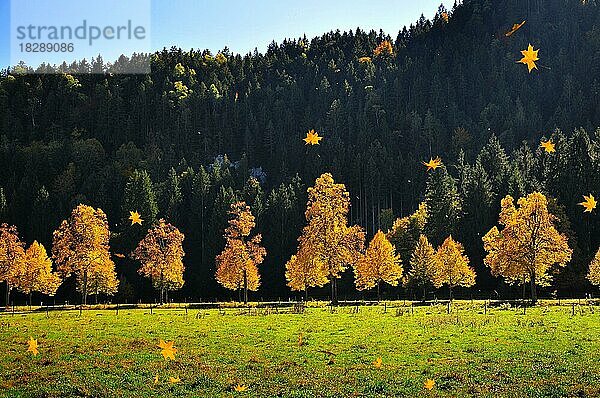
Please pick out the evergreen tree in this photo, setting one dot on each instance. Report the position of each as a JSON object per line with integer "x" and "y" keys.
{"x": 443, "y": 205}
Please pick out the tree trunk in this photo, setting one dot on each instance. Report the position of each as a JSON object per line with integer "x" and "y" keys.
{"x": 333, "y": 282}
{"x": 306, "y": 294}
{"x": 30, "y": 300}
{"x": 450, "y": 293}
{"x": 533, "y": 290}
{"x": 378, "y": 291}
{"x": 7, "y": 295}
{"x": 424, "y": 293}
{"x": 84, "y": 288}
{"x": 245, "y": 288}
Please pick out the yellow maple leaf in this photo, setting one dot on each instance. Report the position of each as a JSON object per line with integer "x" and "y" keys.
{"x": 378, "y": 363}
{"x": 529, "y": 57}
{"x": 548, "y": 146}
{"x": 174, "y": 380}
{"x": 589, "y": 204}
{"x": 240, "y": 388}
{"x": 168, "y": 351}
{"x": 429, "y": 384}
{"x": 312, "y": 138}
{"x": 135, "y": 218}
{"x": 33, "y": 346}
{"x": 514, "y": 28}
{"x": 433, "y": 164}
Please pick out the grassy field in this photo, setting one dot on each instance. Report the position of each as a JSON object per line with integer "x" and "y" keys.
{"x": 546, "y": 352}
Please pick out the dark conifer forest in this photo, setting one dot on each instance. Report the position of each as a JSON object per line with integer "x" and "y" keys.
{"x": 205, "y": 130}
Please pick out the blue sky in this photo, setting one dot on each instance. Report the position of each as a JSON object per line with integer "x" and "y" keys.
{"x": 243, "y": 25}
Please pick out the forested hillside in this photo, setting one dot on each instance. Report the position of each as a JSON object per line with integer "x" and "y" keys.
{"x": 205, "y": 130}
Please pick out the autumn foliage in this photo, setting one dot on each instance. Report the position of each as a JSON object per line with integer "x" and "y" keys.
{"x": 237, "y": 265}
{"x": 81, "y": 247}
{"x": 452, "y": 266}
{"x": 379, "y": 264}
{"x": 11, "y": 256}
{"x": 327, "y": 245}
{"x": 528, "y": 245}
{"x": 423, "y": 265}
{"x": 384, "y": 48}
{"x": 161, "y": 254}
{"x": 594, "y": 273}
{"x": 35, "y": 273}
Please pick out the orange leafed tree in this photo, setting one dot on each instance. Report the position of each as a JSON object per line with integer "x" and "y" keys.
{"x": 529, "y": 245}
{"x": 379, "y": 264}
{"x": 594, "y": 273}
{"x": 11, "y": 257}
{"x": 452, "y": 266}
{"x": 161, "y": 254}
{"x": 81, "y": 247}
{"x": 423, "y": 265}
{"x": 384, "y": 48}
{"x": 304, "y": 271}
{"x": 237, "y": 265}
{"x": 327, "y": 245}
{"x": 36, "y": 273}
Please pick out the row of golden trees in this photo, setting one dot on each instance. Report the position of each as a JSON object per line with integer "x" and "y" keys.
{"x": 81, "y": 248}
{"x": 523, "y": 251}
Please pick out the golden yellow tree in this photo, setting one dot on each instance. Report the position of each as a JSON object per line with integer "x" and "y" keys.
{"x": 304, "y": 271}
{"x": 237, "y": 265}
{"x": 161, "y": 254}
{"x": 452, "y": 266}
{"x": 384, "y": 48}
{"x": 327, "y": 245}
{"x": 36, "y": 273}
{"x": 529, "y": 245}
{"x": 81, "y": 247}
{"x": 379, "y": 264}
{"x": 594, "y": 273}
{"x": 11, "y": 257}
{"x": 423, "y": 263}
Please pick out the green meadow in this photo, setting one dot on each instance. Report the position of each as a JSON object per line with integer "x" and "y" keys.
{"x": 548, "y": 351}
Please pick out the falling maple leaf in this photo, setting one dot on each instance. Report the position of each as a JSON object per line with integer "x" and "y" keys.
{"x": 529, "y": 57}
{"x": 135, "y": 218}
{"x": 429, "y": 384}
{"x": 168, "y": 351}
{"x": 240, "y": 388}
{"x": 433, "y": 164}
{"x": 33, "y": 346}
{"x": 174, "y": 380}
{"x": 156, "y": 379}
{"x": 312, "y": 138}
{"x": 548, "y": 146}
{"x": 514, "y": 28}
{"x": 589, "y": 204}
{"x": 378, "y": 363}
